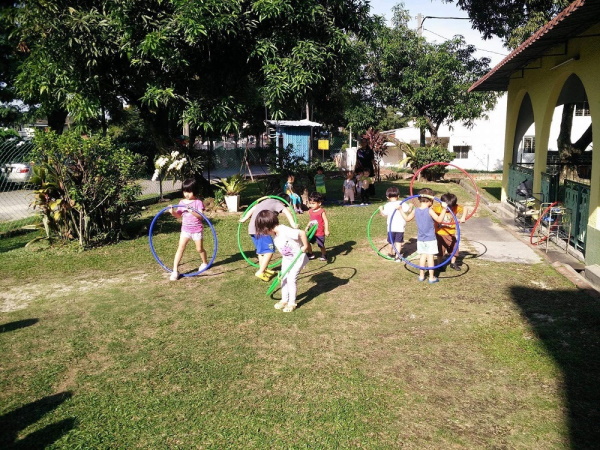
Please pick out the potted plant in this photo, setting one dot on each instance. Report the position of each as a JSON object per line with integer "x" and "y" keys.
{"x": 232, "y": 187}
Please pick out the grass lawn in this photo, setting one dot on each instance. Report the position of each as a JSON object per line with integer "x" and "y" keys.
{"x": 101, "y": 350}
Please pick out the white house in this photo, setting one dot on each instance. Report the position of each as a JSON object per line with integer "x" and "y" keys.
{"x": 482, "y": 147}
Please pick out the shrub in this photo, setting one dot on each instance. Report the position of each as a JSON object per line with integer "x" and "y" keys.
{"x": 85, "y": 186}
{"x": 427, "y": 155}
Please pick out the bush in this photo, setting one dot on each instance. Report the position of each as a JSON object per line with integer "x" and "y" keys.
{"x": 428, "y": 155}
{"x": 85, "y": 187}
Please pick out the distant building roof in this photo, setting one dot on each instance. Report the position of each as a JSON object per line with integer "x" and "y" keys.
{"x": 293, "y": 123}
{"x": 570, "y": 22}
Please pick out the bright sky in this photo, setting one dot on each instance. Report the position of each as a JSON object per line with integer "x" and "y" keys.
{"x": 439, "y": 30}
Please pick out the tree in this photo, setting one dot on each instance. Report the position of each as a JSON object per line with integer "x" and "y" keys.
{"x": 515, "y": 21}
{"x": 511, "y": 20}
{"x": 427, "y": 82}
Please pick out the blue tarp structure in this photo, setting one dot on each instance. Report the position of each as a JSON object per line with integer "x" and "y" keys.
{"x": 298, "y": 133}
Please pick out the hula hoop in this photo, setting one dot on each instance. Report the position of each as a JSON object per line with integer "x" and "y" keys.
{"x": 371, "y": 243}
{"x": 281, "y": 275}
{"x": 450, "y": 256}
{"x": 239, "y": 234}
{"x": 477, "y": 197}
{"x": 212, "y": 229}
{"x": 537, "y": 224}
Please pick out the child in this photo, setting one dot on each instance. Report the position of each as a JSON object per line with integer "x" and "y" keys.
{"x": 295, "y": 198}
{"x": 445, "y": 232}
{"x": 191, "y": 225}
{"x": 395, "y": 222}
{"x": 348, "y": 188}
{"x": 317, "y": 215}
{"x": 289, "y": 242}
{"x": 426, "y": 241}
{"x": 364, "y": 181}
{"x": 264, "y": 243}
{"x": 320, "y": 182}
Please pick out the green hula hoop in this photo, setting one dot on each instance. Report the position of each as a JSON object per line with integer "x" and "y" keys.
{"x": 280, "y": 275}
{"x": 239, "y": 231}
{"x": 371, "y": 240}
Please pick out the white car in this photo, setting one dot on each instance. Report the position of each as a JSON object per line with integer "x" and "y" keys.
{"x": 16, "y": 172}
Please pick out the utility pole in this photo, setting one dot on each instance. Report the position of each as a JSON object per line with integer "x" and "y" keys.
{"x": 420, "y": 20}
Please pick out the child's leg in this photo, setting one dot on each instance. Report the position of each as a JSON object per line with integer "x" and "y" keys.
{"x": 183, "y": 240}
{"x": 398, "y": 246}
{"x": 422, "y": 263}
{"x": 290, "y": 280}
{"x": 200, "y": 248}
{"x": 430, "y": 263}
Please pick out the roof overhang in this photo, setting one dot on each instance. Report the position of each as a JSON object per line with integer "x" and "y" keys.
{"x": 574, "y": 20}
{"x": 293, "y": 123}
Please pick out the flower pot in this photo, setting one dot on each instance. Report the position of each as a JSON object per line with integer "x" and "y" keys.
{"x": 232, "y": 202}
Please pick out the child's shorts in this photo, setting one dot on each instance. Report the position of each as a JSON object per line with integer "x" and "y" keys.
{"x": 320, "y": 240}
{"x": 396, "y": 236}
{"x": 349, "y": 195}
{"x": 446, "y": 243}
{"x": 321, "y": 189}
{"x": 427, "y": 247}
{"x": 193, "y": 236}
{"x": 263, "y": 243}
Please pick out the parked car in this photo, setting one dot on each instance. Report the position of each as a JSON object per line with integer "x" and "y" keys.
{"x": 19, "y": 173}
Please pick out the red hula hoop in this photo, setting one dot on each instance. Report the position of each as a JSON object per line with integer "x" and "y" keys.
{"x": 537, "y": 224}
{"x": 477, "y": 197}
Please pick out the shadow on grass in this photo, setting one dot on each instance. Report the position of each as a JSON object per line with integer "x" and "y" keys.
{"x": 495, "y": 192}
{"x": 342, "y": 249}
{"x": 15, "y": 421}
{"x": 325, "y": 281}
{"x": 568, "y": 324}
{"x": 12, "y": 326}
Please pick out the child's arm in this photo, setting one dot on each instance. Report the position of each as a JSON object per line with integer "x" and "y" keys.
{"x": 175, "y": 212}
{"x": 381, "y": 213}
{"x": 247, "y": 215}
{"x": 325, "y": 223}
{"x": 407, "y": 217}
{"x": 304, "y": 240}
{"x": 463, "y": 218}
{"x": 439, "y": 218}
{"x": 290, "y": 218}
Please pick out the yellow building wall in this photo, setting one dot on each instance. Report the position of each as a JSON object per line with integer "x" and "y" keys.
{"x": 543, "y": 81}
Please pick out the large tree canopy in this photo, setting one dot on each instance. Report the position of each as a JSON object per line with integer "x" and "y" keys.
{"x": 427, "y": 82}
{"x": 205, "y": 62}
{"x": 511, "y": 20}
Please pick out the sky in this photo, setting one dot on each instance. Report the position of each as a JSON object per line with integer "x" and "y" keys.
{"x": 439, "y": 30}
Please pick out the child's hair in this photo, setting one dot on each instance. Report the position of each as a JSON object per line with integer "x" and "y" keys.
{"x": 315, "y": 197}
{"x": 190, "y": 185}
{"x": 392, "y": 192}
{"x": 349, "y": 172}
{"x": 290, "y": 175}
{"x": 266, "y": 220}
{"x": 426, "y": 194}
{"x": 450, "y": 199}
{"x": 319, "y": 168}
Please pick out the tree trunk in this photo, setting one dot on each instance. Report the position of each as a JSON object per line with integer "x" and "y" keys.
{"x": 56, "y": 120}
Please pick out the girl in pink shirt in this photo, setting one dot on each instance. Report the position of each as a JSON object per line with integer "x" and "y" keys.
{"x": 191, "y": 225}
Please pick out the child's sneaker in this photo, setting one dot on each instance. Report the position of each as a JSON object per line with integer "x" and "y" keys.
{"x": 322, "y": 258}
{"x": 289, "y": 307}
{"x": 262, "y": 276}
{"x": 174, "y": 276}
{"x": 311, "y": 255}
{"x": 455, "y": 267}
{"x": 280, "y": 304}
{"x": 202, "y": 267}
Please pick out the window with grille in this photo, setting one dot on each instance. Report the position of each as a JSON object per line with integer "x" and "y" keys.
{"x": 461, "y": 151}
{"x": 529, "y": 144}
{"x": 582, "y": 109}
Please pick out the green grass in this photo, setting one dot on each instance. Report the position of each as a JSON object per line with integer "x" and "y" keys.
{"x": 100, "y": 350}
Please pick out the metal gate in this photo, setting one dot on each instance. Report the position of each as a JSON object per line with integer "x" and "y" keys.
{"x": 577, "y": 198}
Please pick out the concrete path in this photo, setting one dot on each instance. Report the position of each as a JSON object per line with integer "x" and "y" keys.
{"x": 487, "y": 240}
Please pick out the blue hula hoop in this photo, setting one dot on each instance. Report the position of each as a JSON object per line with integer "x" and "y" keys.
{"x": 449, "y": 258}
{"x": 158, "y": 260}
